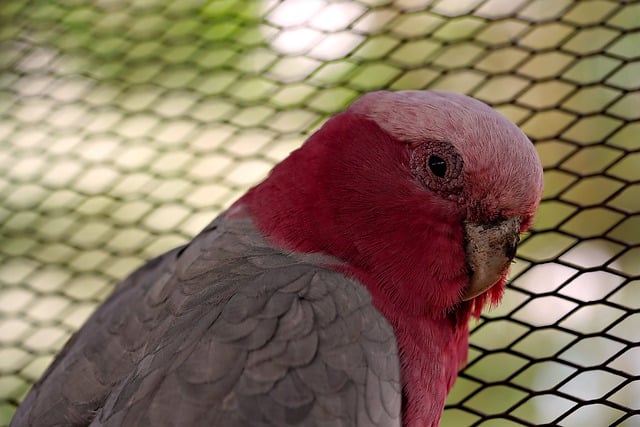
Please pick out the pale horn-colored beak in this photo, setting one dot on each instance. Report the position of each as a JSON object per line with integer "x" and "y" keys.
{"x": 490, "y": 248}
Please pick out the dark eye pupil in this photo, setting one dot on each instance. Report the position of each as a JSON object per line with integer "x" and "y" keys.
{"x": 438, "y": 166}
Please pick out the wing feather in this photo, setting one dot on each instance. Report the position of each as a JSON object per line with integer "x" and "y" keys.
{"x": 226, "y": 331}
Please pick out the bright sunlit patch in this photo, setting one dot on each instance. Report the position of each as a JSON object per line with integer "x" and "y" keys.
{"x": 291, "y": 13}
{"x": 305, "y": 26}
{"x": 296, "y": 41}
{"x": 337, "y": 16}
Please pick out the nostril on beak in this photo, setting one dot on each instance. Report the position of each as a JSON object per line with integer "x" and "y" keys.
{"x": 511, "y": 248}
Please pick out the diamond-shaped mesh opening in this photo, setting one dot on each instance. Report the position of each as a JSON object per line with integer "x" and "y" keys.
{"x": 126, "y": 126}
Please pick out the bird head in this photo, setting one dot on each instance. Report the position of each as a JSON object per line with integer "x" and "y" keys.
{"x": 464, "y": 151}
{"x": 421, "y": 194}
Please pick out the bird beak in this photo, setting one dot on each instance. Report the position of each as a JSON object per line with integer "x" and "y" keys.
{"x": 490, "y": 248}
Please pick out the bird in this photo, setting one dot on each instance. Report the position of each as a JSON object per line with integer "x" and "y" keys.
{"x": 336, "y": 292}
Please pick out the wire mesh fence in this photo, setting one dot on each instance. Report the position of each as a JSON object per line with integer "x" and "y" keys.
{"x": 126, "y": 126}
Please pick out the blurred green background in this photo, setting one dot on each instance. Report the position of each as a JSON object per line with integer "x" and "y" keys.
{"x": 126, "y": 126}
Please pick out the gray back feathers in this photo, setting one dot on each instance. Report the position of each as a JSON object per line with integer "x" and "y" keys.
{"x": 226, "y": 331}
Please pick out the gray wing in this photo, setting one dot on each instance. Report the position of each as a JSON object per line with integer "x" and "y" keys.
{"x": 100, "y": 354}
{"x": 226, "y": 331}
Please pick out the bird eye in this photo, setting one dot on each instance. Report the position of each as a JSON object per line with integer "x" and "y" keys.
{"x": 437, "y": 165}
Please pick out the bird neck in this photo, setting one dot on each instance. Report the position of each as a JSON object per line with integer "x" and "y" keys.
{"x": 431, "y": 353}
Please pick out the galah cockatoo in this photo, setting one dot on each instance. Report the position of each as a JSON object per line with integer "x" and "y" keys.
{"x": 337, "y": 292}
